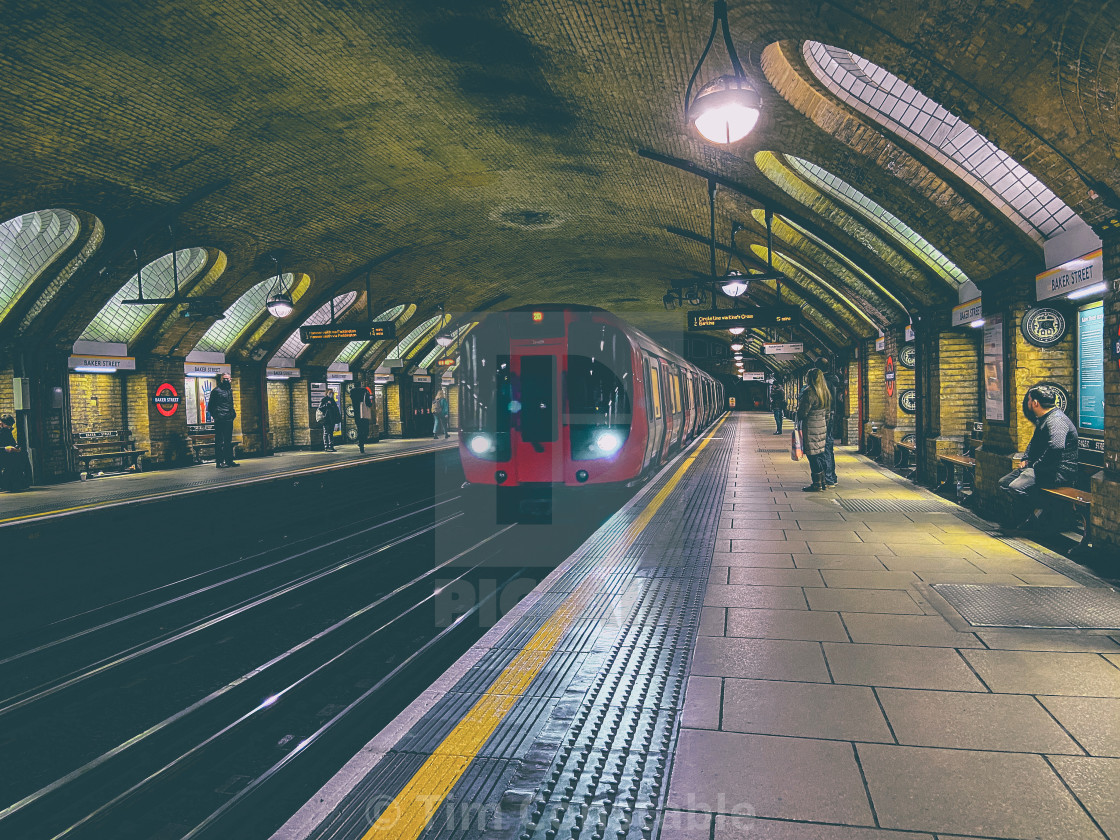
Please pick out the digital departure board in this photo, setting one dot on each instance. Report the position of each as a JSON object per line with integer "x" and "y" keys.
{"x": 348, "y": 332}
{"x": 763, "y": 316}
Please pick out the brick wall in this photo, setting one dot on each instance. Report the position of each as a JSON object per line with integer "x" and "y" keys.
{"x": 164, "y": 438}
{"x": 7, "y": 400}
{"x": 280, "y": 414}
{"x": 248, "y": 396}
{"x": 393, "y": 398}
{"x": 852, "y": 424}
{"x": 96, "y": 402}
{"x": 875, "y": 363}
{"x": 301, "y": 413}
{"x": 453, "y": 402}
{"x": 953, "y": 357}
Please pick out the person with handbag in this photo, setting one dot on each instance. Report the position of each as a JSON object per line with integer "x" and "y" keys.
{"x": 329, "y": 415}
{"x": 362, "y": 403}
{"x": 813, "y": 409}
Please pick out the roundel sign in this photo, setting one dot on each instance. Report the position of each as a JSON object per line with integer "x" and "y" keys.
{"x": 167, "y": 399}
{"x": 1043, "y": 326}
{"x": 908, "y": 400}
{"x": 888, "y": 375}
{"x": 906, "y": 356}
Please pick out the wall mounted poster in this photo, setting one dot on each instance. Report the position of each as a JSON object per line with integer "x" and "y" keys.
{"x": 1090, "y": 367}
{"x": 995, "y": 384}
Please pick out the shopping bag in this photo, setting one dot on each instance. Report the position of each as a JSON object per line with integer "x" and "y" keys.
{"x": 795, "y": 450}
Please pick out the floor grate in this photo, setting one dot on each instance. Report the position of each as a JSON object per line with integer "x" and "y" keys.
{"x": 895, "y": 506}
{"x": 1039, "y": 607}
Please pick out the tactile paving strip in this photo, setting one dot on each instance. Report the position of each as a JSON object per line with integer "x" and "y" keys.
{"x": 1040, "y": 607}
{"x": 599, "y": 721}
{"x": 894, "y": 506}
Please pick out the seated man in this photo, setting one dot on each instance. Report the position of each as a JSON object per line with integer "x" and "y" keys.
{"x": 1051, "y": 457}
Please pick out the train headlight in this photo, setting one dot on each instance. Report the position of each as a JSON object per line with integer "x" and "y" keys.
{"x": 481, "y": 444}
{"x": 608, "y": 442}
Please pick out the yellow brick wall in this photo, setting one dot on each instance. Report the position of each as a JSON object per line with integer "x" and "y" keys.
{"x": 393, "y": 397}
{"x": 95, "y": 402}
{"x": 280, "y": 414}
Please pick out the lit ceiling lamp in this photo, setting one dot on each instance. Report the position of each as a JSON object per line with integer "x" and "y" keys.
{"x": 736, "y": 330}
{"x": 726, "y": 109}
{"x": 279, "y": 303}
{"x": 445, "y": 339}
{"x": 734, "y": 284}
{"x": 736, "y": 346}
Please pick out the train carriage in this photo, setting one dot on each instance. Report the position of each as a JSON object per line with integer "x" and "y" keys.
{"x": 573, "y": 395}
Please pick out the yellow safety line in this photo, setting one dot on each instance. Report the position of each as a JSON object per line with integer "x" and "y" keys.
{"x": 187, "y": 491}
{"x": 413, "y": 808}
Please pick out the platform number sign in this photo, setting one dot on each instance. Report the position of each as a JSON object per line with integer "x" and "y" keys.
{"x": 167, "y": 399}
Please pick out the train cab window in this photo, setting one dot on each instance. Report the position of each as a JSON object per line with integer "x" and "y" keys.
{"x": 600, "y": 388}
{"x": 485, "y": 378}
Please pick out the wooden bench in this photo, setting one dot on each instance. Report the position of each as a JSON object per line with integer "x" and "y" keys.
{"x": 1081, "y": 502}
{"x": 118, "y": 447}
{"x": 947, "y": 465}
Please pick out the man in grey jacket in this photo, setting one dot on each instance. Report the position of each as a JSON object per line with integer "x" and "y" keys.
{"x": 1050, "y": 459}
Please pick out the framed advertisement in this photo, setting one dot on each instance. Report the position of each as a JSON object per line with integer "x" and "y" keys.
{"x": 995, "y": 370}
{"x": 1090, "y": 367}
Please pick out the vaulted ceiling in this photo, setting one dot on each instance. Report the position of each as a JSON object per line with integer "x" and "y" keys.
{"x": 481, "y": 154}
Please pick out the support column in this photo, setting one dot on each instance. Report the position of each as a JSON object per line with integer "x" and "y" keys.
{"x": 955, "y": 399}
{"x": 897, "y": 424}
{"x": 301, "y": 407}
{"x": 164, "y": 438}
{"x": 249, "y": 401}
{"x": 875, "y": 365}
{"x": 1106, "y": 484}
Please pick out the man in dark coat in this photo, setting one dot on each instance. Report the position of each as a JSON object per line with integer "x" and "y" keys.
{"x": 222, "y": 410}
{"x": 1050, "y": 459}
{"x": 361, "y": 402}
{"x": 778, "y": 405}
{"x": 12, "y": 460}
{"x": 332, "y": 416}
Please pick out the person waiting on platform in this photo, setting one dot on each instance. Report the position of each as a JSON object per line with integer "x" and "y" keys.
{"x": 1050, "y": 459}
{"x": 832, "y": 382}
{"x": 441, "y": 416}
{"x": 813, "y": 407}
{"x": 329, "y": 415}
{"x": 362, "y": 404}
{"x": 12, "y": 462}
{"x": 778, "y": 405}
{"x": 221, "y": 409}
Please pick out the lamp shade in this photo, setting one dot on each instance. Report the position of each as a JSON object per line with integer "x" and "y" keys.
{"x": 736, "y": 330}
{"x": 734, "y": 284}
{"x": 279, "y": 304}
{"x": 736, "y": 346}
{"x": 444, "y": 340}
{"x": 725, "y": 110}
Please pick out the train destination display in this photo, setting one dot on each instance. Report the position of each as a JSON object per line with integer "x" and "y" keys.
{"x": 763, "y": 316}
{"x": 348, "y": 332}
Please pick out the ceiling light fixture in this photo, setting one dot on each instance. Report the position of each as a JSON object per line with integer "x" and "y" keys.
{"x": 726, "y": 109}
{"x": 734, "y": 284}
{"x": 279, "y": 303}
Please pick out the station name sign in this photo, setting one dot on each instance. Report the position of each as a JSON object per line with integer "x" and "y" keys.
{"x": 1069, "y": 277}
{"x": 764, "y": 316}
{"x": 966, "y": 313}
{"x": 108, "y": 363}
{"x": 348, "y": 332}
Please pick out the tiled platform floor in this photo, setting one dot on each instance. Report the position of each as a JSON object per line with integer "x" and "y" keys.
{"x": 829, "y": 699}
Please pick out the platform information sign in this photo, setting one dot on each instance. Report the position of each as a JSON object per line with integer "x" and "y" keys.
{"x": 348, "y": 332}
{"x": 1090, "y": 367}
{"x": 783, "y": 349}
{"x": 763, "y": 316}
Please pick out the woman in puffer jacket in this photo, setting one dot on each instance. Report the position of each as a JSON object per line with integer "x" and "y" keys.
{"x": 813, "y": 407}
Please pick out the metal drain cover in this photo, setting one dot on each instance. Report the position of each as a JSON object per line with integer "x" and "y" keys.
{"x": 1040, "y": 607}
{"x": 895, "y": 506}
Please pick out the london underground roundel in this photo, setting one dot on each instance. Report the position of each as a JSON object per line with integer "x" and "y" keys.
{"x": 889, "y": 376}
{"x": 167, "y": 399}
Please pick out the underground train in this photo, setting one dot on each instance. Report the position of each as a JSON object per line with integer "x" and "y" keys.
{"x": 572, "y": 395}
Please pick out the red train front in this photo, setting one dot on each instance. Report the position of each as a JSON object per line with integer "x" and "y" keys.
{"x": 572, "y": 395}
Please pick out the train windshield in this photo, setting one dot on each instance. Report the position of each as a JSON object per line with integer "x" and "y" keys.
{"x": 600, "y": 385}
{"x": 485, "y": 382}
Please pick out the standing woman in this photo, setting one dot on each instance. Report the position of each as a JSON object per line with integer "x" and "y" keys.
{"x": 813, "y": 408}
{"x": 331, "y": 418}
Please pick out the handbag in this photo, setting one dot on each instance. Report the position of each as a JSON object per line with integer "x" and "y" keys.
{"x": 796, "y": 452}
{"x": 320, "y": 415}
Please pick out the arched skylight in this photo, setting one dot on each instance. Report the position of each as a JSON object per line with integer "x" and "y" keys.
{"x": 954, "y": 143}
{"x": 293, "y": 346}
{"x": 411, "y": 340}
{"x": 245, "y": 310}
{"x": 886, "y": 221}
{"x": 437, "y": 351}
{"x": 352, "y": 350}
{"x": 28, "y": 245}
{"x": 120, "y": 322}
